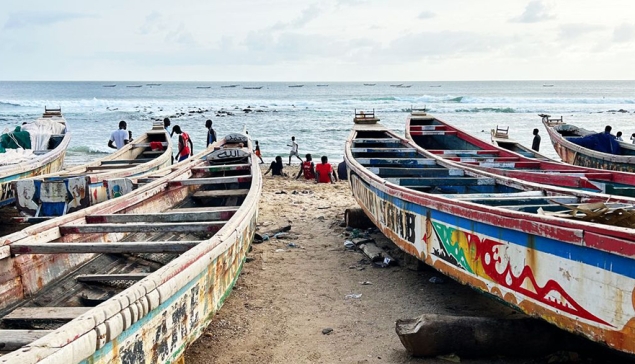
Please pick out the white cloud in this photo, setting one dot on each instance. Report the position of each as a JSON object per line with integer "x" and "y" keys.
{"x": 426, "y": 15}
{"x": 535, "y": 11}
{"x": 624, "y": 33}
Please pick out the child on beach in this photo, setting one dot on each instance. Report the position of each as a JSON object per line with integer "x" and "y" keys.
{"x": 186, "y": 148}
{"x": 324, "y": 171}
{"x": 257, "y": 152}
{"x": 294, "y": 150}
{"x": 308, "y": 168}
{"x": 276, "y": 167}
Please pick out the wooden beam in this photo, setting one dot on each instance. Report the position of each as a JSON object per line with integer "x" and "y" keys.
{"x": 146, "y": 145}
{"x": 45, "y": 313}
{"x": 210, "y": 181}
{"x": 222, "y": 168}
{"x": 110, "y": 166}
{"x": 103, "y": 248}
{"x": 383, "y": 150}
{"x": 111, "y": 277}
{"x": 176, "y": 216}
{"x": 181, "y": 227}
{"x": 220, "y": 193}
{"x": 14, "y": 339}
{"x": 204, "y": 209}
{"x": 130, "y": 161}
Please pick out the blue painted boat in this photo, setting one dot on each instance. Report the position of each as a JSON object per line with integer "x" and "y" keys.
{"x": 557, "y": 254}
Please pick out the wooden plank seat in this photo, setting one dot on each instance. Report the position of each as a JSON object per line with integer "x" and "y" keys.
{"x": 386, "y": 172}
{"x": 510, "y": 164}
{"x": 405, "y": 162}
{"x": 130, "y": 161}
{"x": 442, "y": 181}
{"x": 377, "y": 141}
{"x": 25, "y": 314}
{"x": 464, "y": 151}
{"x": 153, "y": 152}
{"x": 223, "y": 168}
{"x": 103, "y": 248}
{"x": 427, "y": 127}
{"x": 497, "y": 195}
{"x": 220, "y": 193}
{"x": 111, "y": 277}
{"x": 383, "y": 150}
{"x": 15, "y": 339}
{"x": 203, "y": 209}
{"x": 479, "y": 158}
{"x": 506, "y": 201}
{"x": 175, "y": 216}
{"x": 181, "y": 227}
{"x": 433, "y": 132}
{"x": 211, "y": 180}
{"x": 147, "y": 145}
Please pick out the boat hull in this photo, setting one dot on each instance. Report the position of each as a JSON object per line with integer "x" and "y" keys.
{"x": 566, "y": 274}
{"x": 54, "y": 164}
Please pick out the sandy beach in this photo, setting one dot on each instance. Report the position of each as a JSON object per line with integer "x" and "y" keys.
{"x": 287, "y": 295}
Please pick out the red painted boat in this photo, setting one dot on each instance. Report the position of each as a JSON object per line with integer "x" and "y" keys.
{"x": 451, "y": 143}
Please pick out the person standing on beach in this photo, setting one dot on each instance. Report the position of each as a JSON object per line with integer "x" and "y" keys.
{"x": 308, "y": 168}
{"x": 342, "y": 173}
{"x": 166, "y": 125}
{"x": 211, "y": 133}
{"x": 257, "y": 152}
{"x": 294, "y": 150}
{"x": 119, "y": 137}
{"x": 186, "y": 148}
{"x": 535, "y": 145}
{"x": 324, "y": 171}
{"x": 276, "y": 167}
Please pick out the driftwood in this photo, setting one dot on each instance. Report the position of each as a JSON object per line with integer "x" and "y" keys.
{"x": 372, "y": 250}
{"x": 356, "y": 218}
{"x": 472, "y": 337}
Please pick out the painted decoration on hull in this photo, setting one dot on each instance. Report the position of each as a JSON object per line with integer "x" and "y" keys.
{"x": 525, "y": 270}
{"x": 53, "y": 197}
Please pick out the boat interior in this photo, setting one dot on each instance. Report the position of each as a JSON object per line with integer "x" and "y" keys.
{"x": 399, "y": 163}
{"x": 46, "y": 283}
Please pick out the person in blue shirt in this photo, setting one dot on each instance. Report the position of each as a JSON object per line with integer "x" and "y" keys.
{"x": 211, "y": 133}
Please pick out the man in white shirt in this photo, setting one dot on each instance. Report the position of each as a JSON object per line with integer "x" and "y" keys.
{"x": 120, "y": 137}
{"x": 294, "y": 150}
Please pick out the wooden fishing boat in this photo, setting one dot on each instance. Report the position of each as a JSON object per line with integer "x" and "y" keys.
{"x": 78, "y": 187}
{"x": 560, "y": 133}
{"x": 500, "y": 137}
{"x": 553, "y": 253}
{"x": 52, "y": 136}
{"x": 442, "y": 139}
{"x": 157, "y": 265}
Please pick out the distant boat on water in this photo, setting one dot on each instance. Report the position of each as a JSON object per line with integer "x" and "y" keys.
{"x": 399, "y": 85}
{"x": 435, "y": 85}
{"x": 321, "y": 85}
{"x": 203, "y": 86}
{"x": 109, "y": 86}
{"x": 369, "y": 84}
{"x": 153, "y": 84}
{"x": 404, "y": 86}
{"x": 226, "y": 86}
{"x": 296, "y": 85}
{"x": 134, "y": 86}
{"x": 547, "y": 85}
{"x": 253, "y": 88}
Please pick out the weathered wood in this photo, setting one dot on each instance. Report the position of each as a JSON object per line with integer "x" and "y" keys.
{"x": 103, "y": 248}
{"x": 127, "y": 161}
{"x": 14, "y": 339}
{"x": 470, "y": 337}
{"x": 176, "y": 216}
{"x": 210, "y": 226}
{"x": 111, "y": 166}
{"x": 45, "y": 313}
{"x": 146, "y": 145}
{"x": 211, "y": 180}
{"x": 356, "y": 218}
{"x": 222, "y": 168}
{"x": 220, "y": 193}
{"x": 204, "y": 209}
{"x": 111, "y": 277}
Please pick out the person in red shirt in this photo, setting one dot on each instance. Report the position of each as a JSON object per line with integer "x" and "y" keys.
{"x": 324, "y": 171}
{"x": 186, "y": 148}
{"x": 308, "y": 168}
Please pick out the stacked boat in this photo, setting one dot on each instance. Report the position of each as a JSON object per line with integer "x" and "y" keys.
{"x": 156, "y": 263}
{"x": 559, "y": 254}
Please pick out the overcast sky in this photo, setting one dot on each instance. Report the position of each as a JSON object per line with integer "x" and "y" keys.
{"x": 331, "y": 40}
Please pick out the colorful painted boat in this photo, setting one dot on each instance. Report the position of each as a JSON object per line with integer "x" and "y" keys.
{"x": 451, "y": 143}
{"x": 500, "y": 138}
{"x": 157, "y": 265}
{"x": 48, "y": 157}
{"x": 501, "y": 236}
{"x": 560, "y": 133}
{"x": 78, "y": 187}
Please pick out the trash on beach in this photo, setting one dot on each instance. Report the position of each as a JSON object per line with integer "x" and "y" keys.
{"x": 366, "y": 283}
{"x": 327, "y": 331}
{"x": 436, "y": 280}
{"x": 354, "y": 296}
{"x": 349, "y": 244}
{"x": 451, "y": 358}
{"x": 293, "y": 245}
{"x": 280, "y": 250}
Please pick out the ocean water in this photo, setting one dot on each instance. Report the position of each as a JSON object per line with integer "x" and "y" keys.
{"x": 320, "y": 117}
